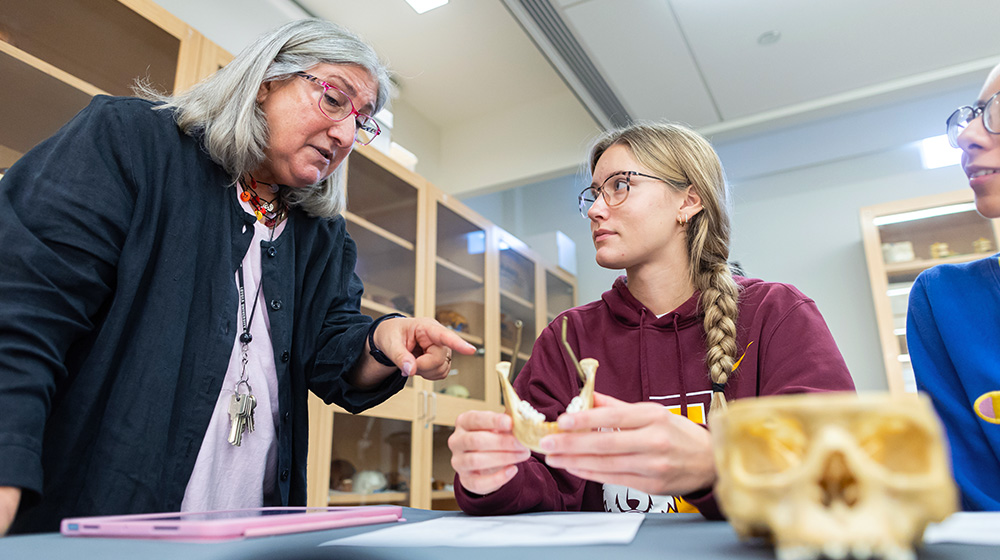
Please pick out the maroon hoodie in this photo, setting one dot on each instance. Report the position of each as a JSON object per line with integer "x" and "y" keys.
{"x": 788, "y": 349}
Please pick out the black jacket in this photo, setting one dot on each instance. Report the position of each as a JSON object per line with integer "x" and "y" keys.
{"x": 117, "y": 316}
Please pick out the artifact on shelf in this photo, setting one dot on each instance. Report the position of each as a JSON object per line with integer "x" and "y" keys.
{"x": 529, "y": 424}
{"x": 901, "y": 251}
{"x": 341, "y": 475}
{"x": 833, "y": 474}
{"x": 982, "y": 245}
{"x": 509, "y": 329}
{"x": 940, "y": 250}
{"x": 369, "y": 482}
{"x": 452, "y": 319}
{"x": 456, "y": 390}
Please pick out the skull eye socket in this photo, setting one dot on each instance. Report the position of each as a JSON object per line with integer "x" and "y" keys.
{"x": 771, "y": 445}
{"x": 897, "y": 443}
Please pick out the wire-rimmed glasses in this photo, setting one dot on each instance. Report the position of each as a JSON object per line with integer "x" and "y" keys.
{"x": 337, "y": 106}
{"x": 965, "y": 115}
{"x": 615, "y": 190}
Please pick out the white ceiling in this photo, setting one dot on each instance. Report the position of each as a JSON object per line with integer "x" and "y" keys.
{"x": 487, "y": 63}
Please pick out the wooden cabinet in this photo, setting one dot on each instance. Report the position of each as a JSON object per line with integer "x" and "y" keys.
{"x": 57, "y": 54}
{"x": 901, "y": 240}
{"x": 424, "y": 253}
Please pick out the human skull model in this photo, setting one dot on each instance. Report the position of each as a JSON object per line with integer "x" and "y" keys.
{"x": 833, "y": 474}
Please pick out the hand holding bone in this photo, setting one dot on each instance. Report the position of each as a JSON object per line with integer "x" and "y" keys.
{"x": 639, "y": 445}
{"x": 484, "y": 451}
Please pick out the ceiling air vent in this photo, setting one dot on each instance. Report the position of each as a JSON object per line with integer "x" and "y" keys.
{"x": 541, "y": 21}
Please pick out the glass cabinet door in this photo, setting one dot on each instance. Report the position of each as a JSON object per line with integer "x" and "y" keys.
{"x": 55, "y": 55}
{"x": 560, "y": 295}
{"x": 518, "y": 324}
{"x": 460, "y": 298}
{"x": 904, "y": 238}
{"x": 442, "y": 474}
{"x": 370, "y": 462}
{"x": 382, "y": 219}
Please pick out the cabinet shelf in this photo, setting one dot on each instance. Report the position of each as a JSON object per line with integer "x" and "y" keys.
{"x": 351, "y": 498}
{"x": 37, "y": 99}
{"x": 475, "y": 280}
{"x": 471, "y": 338}
{"x": 56, "y": 55}
{"x": 381, "y": 232}
{"x": 526, "y": 305}
{"x": 379, "y": 308}
{"x": 917, "y": 266}
{"x": 442, "y": 494}
{"x": 507, "y": 352}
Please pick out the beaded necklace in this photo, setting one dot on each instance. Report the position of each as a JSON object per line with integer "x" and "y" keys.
{"x": 268, "y": 212}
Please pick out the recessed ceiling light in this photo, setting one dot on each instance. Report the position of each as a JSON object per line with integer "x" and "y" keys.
{"x": 421, "y": 6}
{"x": 769, "y": 38}
{"x": 937, "y": 152}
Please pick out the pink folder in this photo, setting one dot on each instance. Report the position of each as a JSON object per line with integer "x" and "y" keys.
{"x": 228, "y": 524}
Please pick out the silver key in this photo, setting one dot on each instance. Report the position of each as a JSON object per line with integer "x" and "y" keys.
{"x": 237, "y": 418}
{"x": 251, "y": 404}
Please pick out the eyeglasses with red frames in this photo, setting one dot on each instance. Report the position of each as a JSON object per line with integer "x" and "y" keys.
{"x": 615, "y": 190}
{"x": 337, "y": 106}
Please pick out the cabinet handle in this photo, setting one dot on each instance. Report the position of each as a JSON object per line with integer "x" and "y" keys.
{"x": 432, "y": 414}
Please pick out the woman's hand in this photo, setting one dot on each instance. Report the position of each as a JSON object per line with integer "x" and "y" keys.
{"x": 640, "y": 445}
{"x": 10, "y": 497}
{"x": 420, "y": 346}
{"x": 484, "y": 451}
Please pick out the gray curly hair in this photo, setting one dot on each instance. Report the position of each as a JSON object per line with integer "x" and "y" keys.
{"x": 223, "y": 108}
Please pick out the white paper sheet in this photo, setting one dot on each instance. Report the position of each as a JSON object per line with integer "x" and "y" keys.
{"x": 966, "y": 527}
{"x": 557, "y": 529}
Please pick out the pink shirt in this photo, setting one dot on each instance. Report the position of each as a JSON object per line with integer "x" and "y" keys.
{"x": 226, "y": 476}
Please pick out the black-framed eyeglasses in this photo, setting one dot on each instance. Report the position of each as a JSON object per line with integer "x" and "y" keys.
{"x": 965, "y": 115}
{"x": 337, "y": 106}
{"x": 615, "y": 190}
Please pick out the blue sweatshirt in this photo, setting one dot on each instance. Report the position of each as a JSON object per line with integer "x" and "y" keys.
{"x": 953, "y": 336}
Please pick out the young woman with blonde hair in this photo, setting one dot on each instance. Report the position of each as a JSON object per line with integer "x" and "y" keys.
{"x": 675, "y": 336}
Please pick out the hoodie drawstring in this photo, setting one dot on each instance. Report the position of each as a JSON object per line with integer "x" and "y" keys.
{"x": 680, "y": 367}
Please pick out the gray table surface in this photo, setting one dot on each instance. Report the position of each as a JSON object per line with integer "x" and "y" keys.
{"x": 661, "y": 536}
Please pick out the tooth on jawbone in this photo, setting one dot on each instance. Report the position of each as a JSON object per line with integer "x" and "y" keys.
{"x": 835, "y": 550}
{"x": 896, "y": 553}
{"x": 529, "y": 424}
{"x": 796, "y": 553}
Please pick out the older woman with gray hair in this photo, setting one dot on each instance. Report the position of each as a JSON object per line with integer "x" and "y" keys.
{"x": 179, "y": 276}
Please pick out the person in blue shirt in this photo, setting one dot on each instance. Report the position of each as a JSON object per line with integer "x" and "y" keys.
{"x": 953, "y": 321}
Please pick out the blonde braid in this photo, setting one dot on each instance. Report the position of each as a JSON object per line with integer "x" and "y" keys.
{"x": 719, "y": 301}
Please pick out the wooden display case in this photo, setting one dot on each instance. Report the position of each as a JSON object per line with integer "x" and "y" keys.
{"x": 424, "y": 253}
{"x": 904, "y": 238}
{"x": 56, "y": 55}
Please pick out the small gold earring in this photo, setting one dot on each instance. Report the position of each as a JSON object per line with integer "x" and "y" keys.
{"x": 682, "y": 219}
